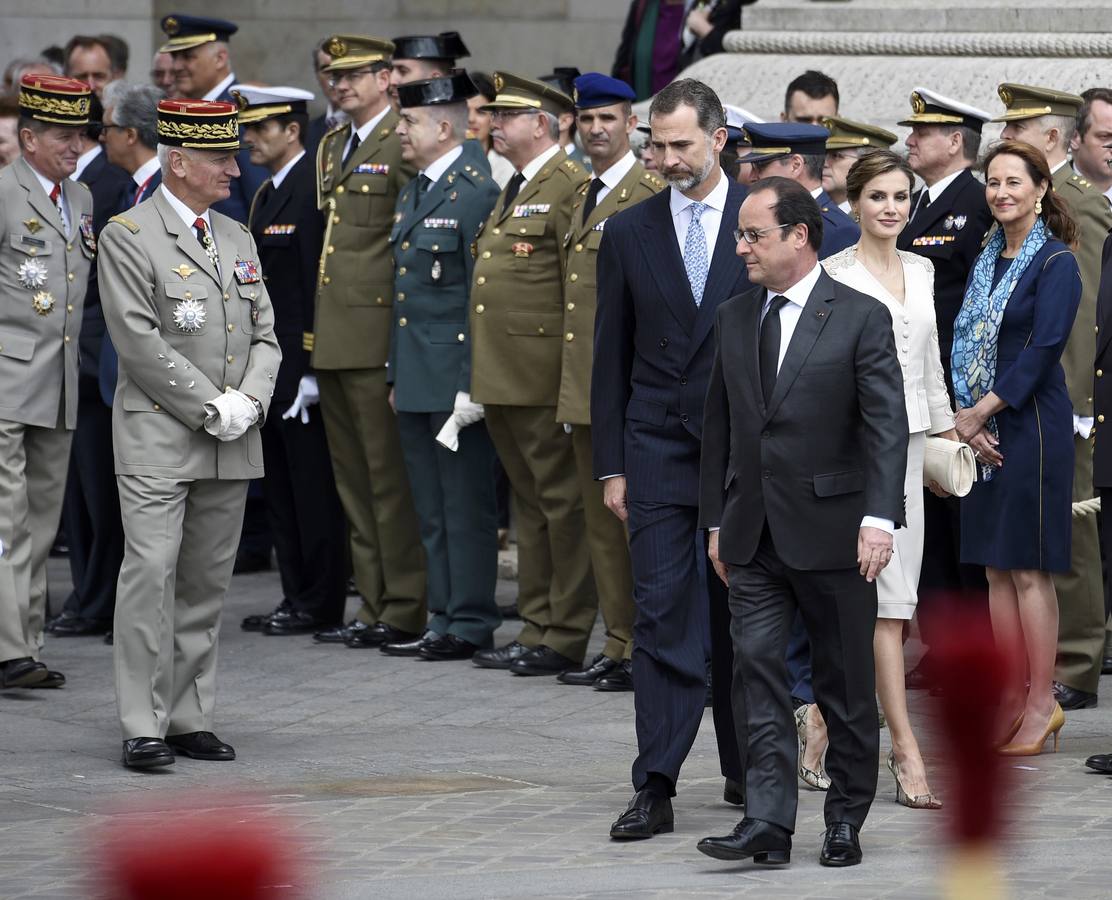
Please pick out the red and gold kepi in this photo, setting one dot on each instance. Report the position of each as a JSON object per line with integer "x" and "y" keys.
{"x": 54, "y": 99}
{"x": 198, "y": 124}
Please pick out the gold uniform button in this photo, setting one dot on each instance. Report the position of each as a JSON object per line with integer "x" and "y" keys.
{"x": 1100, "y": 373}
{"x": 365, "y": 189}
{"x": 326, "y": 280}
{"x": 479, "y": 309}
{"x": 340, "y": 189}
{"x": 522, "y": 231}
{"x": 69, "y": 246}
{"x": 401, "y": 296}
{"x": 569, "y": 337}
{"x": 156, "y": 408}
{"x": 1100, "y": 419}
{"x": 402, "y": 322}
{"x": 70, "y": 276}
{"x": 405, "y": 245}
{"x": 231, "y": 327}
{"x": 573, "y": 277}
{"x": 481, "y": 280}
{"x": 435, "y": 247}
{"x": 189, "y": 295}
{"x": 331, "y": 248}
{"x": 226, "y": 297}
{"x": 69, "y": 307}
{"x": 540, "y": 329}
{"x": 66, "y": 339}
{"x": 231, "y": 359}
{"x": 460, "y": 338}
{"x": 402, "y": 270}
{"x": 486, "y": 254}
{"x": 497, "y": 230}
{"x": 571, "y": 306}
{"x": 335, "y": 219}
{"x": 578, "y": 248}
{"x": 378, "y": 300}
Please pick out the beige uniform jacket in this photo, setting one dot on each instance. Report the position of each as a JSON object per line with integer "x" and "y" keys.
{"x": 356, "y": 290}
{"x": 184, "y": 333}
{"x": 43, "y": 274}
{"x": 580, "y": 283}
{"x": 517, "y": 297}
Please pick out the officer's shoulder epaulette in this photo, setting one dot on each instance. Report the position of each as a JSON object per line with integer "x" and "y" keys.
{"x": 126, "y": 222}
{"x": 575, "y": 172}
{"x": 332, "y": 132}
{"x": 651, "y": 179}
{"x": 384, "y": 133}
{"x": 82, "y": 185}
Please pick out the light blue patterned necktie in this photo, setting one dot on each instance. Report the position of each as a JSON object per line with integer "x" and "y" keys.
{"x": 695, "y": 253}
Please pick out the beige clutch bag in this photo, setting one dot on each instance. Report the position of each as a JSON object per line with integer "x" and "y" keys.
{"x": 949, "y": 463}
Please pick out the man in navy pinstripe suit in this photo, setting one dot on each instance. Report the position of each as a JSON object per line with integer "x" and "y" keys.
{"x": 664, "y": 267}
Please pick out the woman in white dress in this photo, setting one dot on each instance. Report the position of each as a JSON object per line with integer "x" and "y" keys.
{"x": 879, "y": 189}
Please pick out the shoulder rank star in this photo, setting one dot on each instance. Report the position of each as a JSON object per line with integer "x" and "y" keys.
{"x": 32, "y": 273}
{"x": 189, "y": 315}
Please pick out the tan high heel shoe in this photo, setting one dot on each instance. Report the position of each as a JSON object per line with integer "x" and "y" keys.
{"x": 916, "y": 801}
{"x": 818, "y": 780}
{"x": 1053, "y": 727}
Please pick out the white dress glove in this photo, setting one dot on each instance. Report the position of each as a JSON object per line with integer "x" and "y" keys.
{"x": 308, "y": 394}
{"x": 464, "y": 413}
{"x": 230, "y": 415}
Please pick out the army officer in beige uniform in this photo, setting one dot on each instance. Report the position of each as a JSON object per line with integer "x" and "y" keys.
{"x": 605, "y": 121}
{"x": 46, "y": 244}
{"x": 517, "y": 329}
{"x": 189, "y": 316}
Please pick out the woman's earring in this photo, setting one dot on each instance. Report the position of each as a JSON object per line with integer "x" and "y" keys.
{"x": 1038, "y": 207}
{"x": 856, "y": 216}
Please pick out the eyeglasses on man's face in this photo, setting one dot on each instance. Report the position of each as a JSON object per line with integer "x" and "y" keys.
{"x": 752, "y": 235}
{"x": 347, "y": 77}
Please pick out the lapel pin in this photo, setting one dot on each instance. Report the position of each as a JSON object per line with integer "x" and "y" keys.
{"x": 820, "y": 313}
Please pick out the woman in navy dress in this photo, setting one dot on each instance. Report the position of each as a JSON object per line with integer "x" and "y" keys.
{"x": 1014, "y": 412}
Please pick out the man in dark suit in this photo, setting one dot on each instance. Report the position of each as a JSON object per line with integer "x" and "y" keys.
{"x": 664, "y": 267}
{"x": 948, "y": 222}
{"x": 805, "y": 524}
{"x": 91, "y": 510}
{"x": 301, "y": 500}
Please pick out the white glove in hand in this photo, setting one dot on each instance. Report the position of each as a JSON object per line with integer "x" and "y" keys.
{"x": 230, "y": 415}
{"x": 448, "y": 436}
{"x": 308, "y": 394}
{"x": 465, "y": 412}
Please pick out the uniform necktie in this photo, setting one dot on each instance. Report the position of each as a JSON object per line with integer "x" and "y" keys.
{"x": 921, "y": 206}
{"x": 207, "y": 242}
{"x": 768, "y": 348}
{"x": 695, "y": 253}
{"x": 423, "y": 184}
{"x": 511, "y": 190}
{"x": 56, "y": 199}
{"x": 592, "y": 197}
{"x": 351, "y": 150}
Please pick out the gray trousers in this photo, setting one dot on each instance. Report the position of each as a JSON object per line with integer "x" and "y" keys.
{"x": 180, "y": 547}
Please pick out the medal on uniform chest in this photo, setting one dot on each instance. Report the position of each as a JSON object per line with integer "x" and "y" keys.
{"x": 43, "y": 303}
{"x": 183, "y": 271}
{"x": 32, "y": 225}
{"x": 189, "y": 315}
{"x": 87, "y": 234}
{"x": 246, "y": 271}
{"x": 436, "y": 270}
{"x": 32, "y": 273}
{"x": 254, "y": 313}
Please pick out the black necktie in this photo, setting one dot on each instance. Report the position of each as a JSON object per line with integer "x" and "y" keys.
{"x": 351, "y": 150}
{"x": 592, "y": 197}
{"x": 511, "y": 190}
{"x": 423, "y": 184}
{"x": 924, "y": 202}
{"x": 768, "y": 351}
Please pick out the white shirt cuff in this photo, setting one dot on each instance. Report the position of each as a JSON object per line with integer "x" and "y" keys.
{"x": 883, "y": 524}
{"x": 607, "y": 477}
{"x": 715, "y": 528}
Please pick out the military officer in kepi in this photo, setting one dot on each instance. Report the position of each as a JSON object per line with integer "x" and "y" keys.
{"x": 304, "y": 509}
{"x": 445, "y": 443}
{"x": 46, "y": 246}
{"x": 191, "y": 320}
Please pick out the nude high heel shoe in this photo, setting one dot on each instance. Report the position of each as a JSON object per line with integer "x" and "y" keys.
{"x": 1053, "y": 727}
{"x": 916, "y": 801}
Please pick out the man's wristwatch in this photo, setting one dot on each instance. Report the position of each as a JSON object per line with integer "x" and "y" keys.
{"x": 258, "y": 406}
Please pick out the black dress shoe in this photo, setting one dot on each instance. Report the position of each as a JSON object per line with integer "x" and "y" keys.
{"x": 510, "y": 612}
{"x": 378, "y": 634}
{"x": 621, "y": 679}
{"x": 589, "y": 674}
{"x": 201, "y": 745}
{"x": 339, "y": 634}
{"x": 499, "y": 657}
{"x": 734, "y": 792}
{"x": 407, "y": 648}
{"x": 293, "y": 623}
{"x": 76, "y": 626}
{"x": 1102, "y": 763}
{"x": 53, "y": 680}
{"x": 541, "y": 660}
{"x": 648, "y": 813}
{"x": 147, "y": 753}
{"x": 447, "y": 648}
{"x": 1071, "y": 698}
{"x": 64, "y": 616}
{"x": 22, "y": 672}
{"x": 258, "y": 621}
{"x": 840, "y": 847}
{"x": 767, "y": 844}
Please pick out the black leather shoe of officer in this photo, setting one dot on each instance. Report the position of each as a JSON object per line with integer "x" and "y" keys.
{"x": 589, "y": 674}
{"x": 147, "y": 753}
{"x": 621, "y": 679}
{"x": 22, "y": 672}
{"x": 201, "y": 745}
{"x": 767, "y": 844}
{"x": 407, "y": 648}
{"x": 447, "y": 648}
{"x": 293, "y": 623}
{"x": 258, "y": 621}
{"x": 648, "y": 813}
{"x": 1071, "y": 698}
{"x": 64, "y": 616}
{"x": 734, "y": 792}
{"x": 378, "y": 634}
{"x": 499, "y": 657}
{"x": 541, "y": 660}
{"x": 81, "y": 627}
{"x": 1102, "y": 763}
{"x": 340, "y": 633}
{"x": 840, "y": 847}
{"x": 53, "y": 680}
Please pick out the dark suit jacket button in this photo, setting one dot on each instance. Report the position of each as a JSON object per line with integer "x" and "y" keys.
{"x": 683, "y": 379}
{"x": 767, "y": 473}
{"x": 663, "y": 343}
{"x": 766, "y": 434}
{"x": 684, "y": 417}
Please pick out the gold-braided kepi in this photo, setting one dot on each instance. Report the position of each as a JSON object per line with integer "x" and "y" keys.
{"x": 54, "y": 99}
{"x": 1025, "y": 101}
{"x": 354, "y": 51}
{"x": 932, "y": 108}
{"x": 198, "y": 124}
{"x": 186, "y": 32}
{"x": 518, "y": 92}
{"x": 846, "y": 134}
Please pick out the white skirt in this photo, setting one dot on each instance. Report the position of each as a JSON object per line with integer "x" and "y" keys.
{"x": 897, "y": 588}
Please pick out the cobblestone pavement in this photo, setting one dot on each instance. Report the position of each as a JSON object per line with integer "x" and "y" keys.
{"x": 401, "y": 778}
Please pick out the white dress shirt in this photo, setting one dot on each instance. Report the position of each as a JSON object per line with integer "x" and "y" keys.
{"x": 613, "y": 176}
{"x": 143, "y": 174}
{"x": 215, "y": 93}
{"x": 711, "y": 219}
{"x": 278, "y": 177}
{"x": 185, "y": 213}
{"x": 442, "y": 165}
{"x": 934, "y": 191}
{"x": 48, "y": 186}
{"x": 364, "y": 130}
{"x": 83, "y": 162}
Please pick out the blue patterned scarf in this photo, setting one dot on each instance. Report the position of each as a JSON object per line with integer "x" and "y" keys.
{"x": 977, "y": 327}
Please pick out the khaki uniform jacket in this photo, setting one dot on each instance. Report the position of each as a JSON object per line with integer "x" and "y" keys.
{"x": 517, "y": 299}
{"x": 580, "y": 284}
{"x": 184, "y": 333}
{"x": 355, "y": 294}
{"x": 43, "y": 275}
{"x": 1091, "y": 210}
